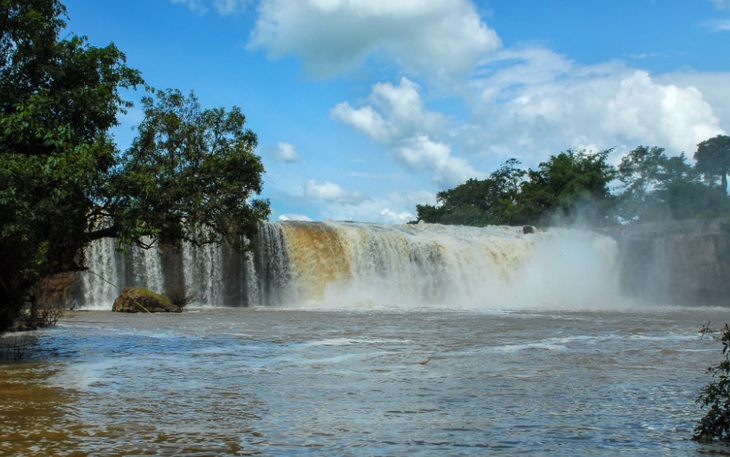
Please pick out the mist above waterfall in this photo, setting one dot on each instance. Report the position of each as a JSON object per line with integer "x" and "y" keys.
{"x": 356, "y": 265}
{"x": 349, "y": 264}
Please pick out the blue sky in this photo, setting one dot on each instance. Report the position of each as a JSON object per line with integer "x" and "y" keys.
{"x": 365, "y": 108}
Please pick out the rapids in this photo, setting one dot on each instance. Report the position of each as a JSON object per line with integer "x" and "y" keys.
{"x": 275, "y": 382}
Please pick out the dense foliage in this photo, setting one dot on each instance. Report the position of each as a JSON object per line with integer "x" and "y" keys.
{"x": 715, "y": 425}
{"x": 492, "y": 201}
{"x": 713, "y": 159}
{"x": 570, "y": 187}
{"x": 190, "y": 174}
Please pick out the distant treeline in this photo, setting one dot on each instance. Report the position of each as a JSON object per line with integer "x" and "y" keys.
{"x": 583, "y": 187}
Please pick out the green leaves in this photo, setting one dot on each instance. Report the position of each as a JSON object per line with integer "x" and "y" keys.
{"x": 713, "y": 160}
{"x": 58, "y": 99}
{"x": 647, "y": 185}
{"x": 513, "y": 196}
{"x": 478, "y": 202}
{"x": 566, "y": 182}
{"x": 715, "y": 425}
{"x": 191, "y": 174}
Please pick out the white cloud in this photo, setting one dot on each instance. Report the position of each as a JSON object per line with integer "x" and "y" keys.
{"x": 715, "y": 89}
{"x": 396, "y": 117}
{"x": 721, "y": 4}
{"x": 230, "y": 6}
{"x": 534, "y": 102}
{"x": 392, "y": 208}
{"x": 286, "y": 152}
{"x": 365, "y": 119}
{"x": 395, "y": 113}
{"x": 402, "y": 217}
{"x": 196, "y": 6}
{"x": 223, "y": 7}
{"x": 438, "y": 37}
{"x": 330, "y": 192}
{"x": 294, "y": 217}
{"x": 677, "y": 117}
{"x": 423, "y": 153}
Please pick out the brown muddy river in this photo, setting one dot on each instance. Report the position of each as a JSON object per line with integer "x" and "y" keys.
{"x": 229, "y": 382}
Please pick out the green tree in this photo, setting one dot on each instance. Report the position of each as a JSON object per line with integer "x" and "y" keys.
{"x": 715, "y": 425}
{"x": 713, "y": 160}
{"x": 58, "y": 98}
{"x": 491, "y": 201}
{"x": 656, "y": 187}
{"x": 566, "y": 183}
{"x": 191, "y": 174}
{"x": 650, "y": 183}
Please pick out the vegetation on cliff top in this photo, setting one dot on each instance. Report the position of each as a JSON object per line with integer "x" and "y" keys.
{"x": 578, "y": 186}
{"x": 191, "y": 173}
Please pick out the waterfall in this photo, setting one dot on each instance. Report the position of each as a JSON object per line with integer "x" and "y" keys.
{"x": 346, "y": 264}
{"x": 202, "y": 268}
{"x": 101, "y": 283}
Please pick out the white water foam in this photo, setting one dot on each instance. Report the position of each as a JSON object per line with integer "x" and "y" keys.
{"x": 346, "y": 265}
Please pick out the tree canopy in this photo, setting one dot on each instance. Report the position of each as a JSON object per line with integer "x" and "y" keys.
{"x": 580, "y": 186}
{"x": 491, "y": 201}
{"x": 713, "y": 160}
{"x": 566, "y": 183}
{"x": 191, "y": 174}
{"x": 511, "y": 196}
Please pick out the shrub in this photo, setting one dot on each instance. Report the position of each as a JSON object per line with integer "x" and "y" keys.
{"x": 715, "y": 425}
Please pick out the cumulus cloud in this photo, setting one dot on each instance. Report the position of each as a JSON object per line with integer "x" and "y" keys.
{"x": 394, "y": 113}
{"x": 396, "y": 117}
{"x": 531, "y": 102}
{"x": 535, "y": 102}
{"x": 714, "y": 86}
{"x": 670, "y": 115}
{"x": 330, "y": 192}
{"x": 422, "y": 152}
{"x": 286, "y": 152}
{"x": 438, "y": 37}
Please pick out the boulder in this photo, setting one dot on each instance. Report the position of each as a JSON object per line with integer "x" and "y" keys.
{"x": 138, "y": 300}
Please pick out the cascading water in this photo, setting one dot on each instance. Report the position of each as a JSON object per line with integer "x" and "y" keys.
{"x": 202, "y": 272}
{"x": 344, "y": 264}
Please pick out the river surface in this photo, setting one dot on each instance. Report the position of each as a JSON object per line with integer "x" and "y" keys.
{"x": 280, "y": 382}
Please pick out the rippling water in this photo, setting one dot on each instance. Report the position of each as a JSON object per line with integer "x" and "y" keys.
{"x": 294, "y": 382}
